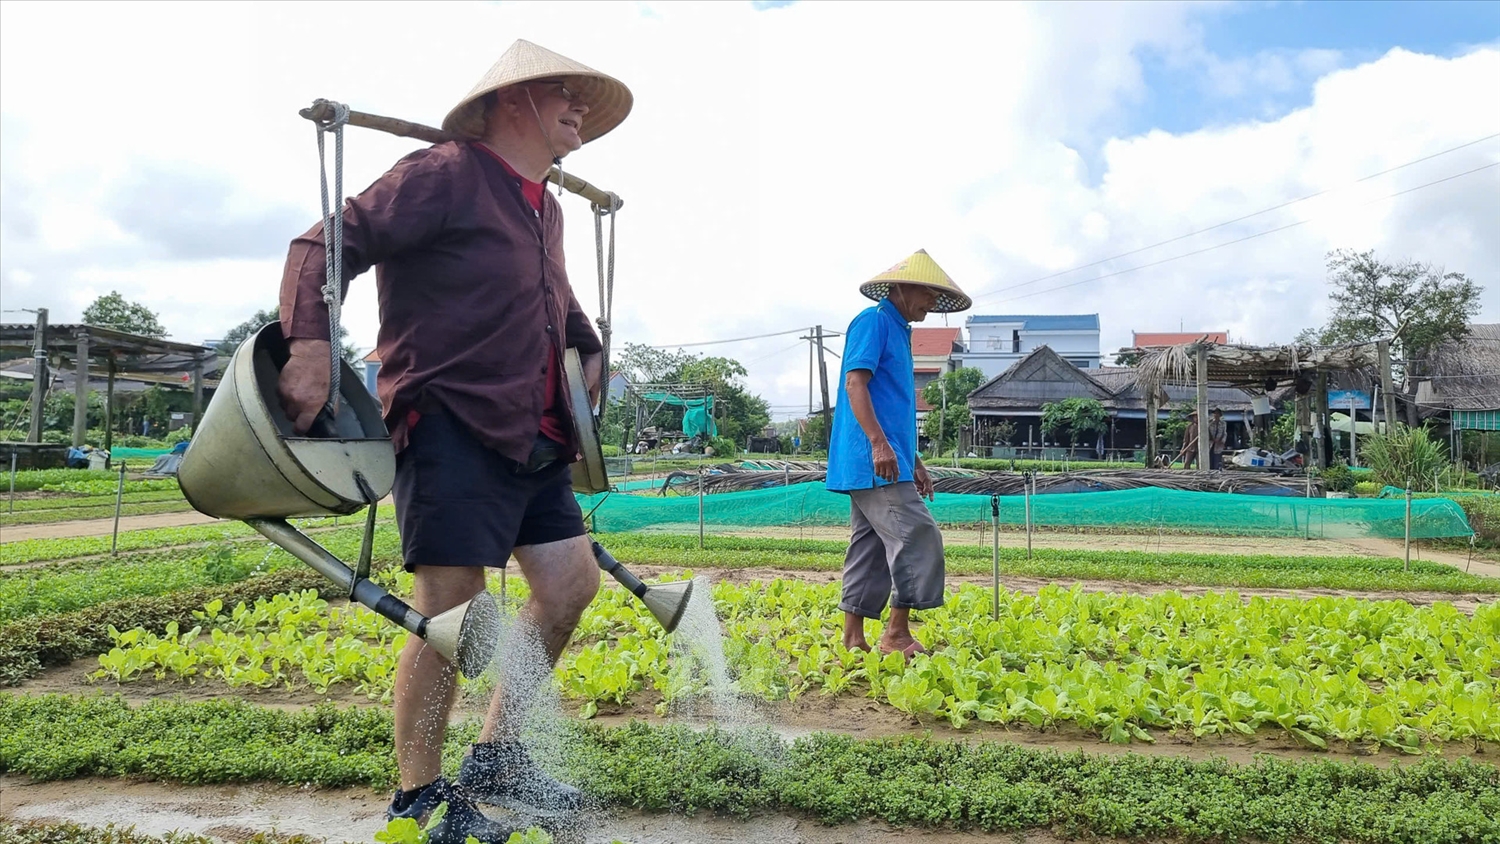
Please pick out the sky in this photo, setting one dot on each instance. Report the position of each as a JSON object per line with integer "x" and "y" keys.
{"x": 1053, "y": 158}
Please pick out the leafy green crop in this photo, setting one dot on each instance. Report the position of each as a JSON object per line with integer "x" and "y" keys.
{"x": 31, "y": 644}
{"x": 108, "y": 487}
{"x": 1321, "y": 669}
{"x": 34, "y": 479}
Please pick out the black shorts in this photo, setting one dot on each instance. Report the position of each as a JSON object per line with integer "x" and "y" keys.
{"x": 459, "y": 503}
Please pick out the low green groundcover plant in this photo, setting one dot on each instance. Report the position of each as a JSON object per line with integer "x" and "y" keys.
{"x": 908, "y": 781}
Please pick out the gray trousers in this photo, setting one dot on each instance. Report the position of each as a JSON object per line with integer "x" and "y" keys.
{"x": 894, "y": 542}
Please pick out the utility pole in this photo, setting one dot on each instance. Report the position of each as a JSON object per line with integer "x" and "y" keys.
{"x": 823, "y": 380}
{"x": 40, "y": 376}
{"x": 1383, "y": 347}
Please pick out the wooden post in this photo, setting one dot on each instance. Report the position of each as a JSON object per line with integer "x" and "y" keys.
{"x": 40, "y": 377}
{"x": 197, "y": 392}
{"x": 81, "y": 389}
{"x": 1202, "y": 372}
{"x": 1384, "y": 349}
{"x": 1320, "y": 419}
{"x": 823, "y": 380}
{"x": 109, "y": 404}
{"x": 1151, "y": 429}
{"x": 114, "y": 539}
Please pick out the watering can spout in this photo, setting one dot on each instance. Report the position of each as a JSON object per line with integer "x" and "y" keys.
{"x": 465, "y": 635}
{"x": 667, "y": 601}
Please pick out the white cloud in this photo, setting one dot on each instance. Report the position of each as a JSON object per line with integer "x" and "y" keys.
{"x": 774, "y": 159}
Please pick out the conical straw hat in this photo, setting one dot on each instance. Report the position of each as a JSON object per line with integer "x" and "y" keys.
{"x": 920, "y": 269}
{"x": 608, "y": 99}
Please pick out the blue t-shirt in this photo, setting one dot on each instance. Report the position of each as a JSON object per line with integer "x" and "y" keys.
{"x": 879, "y": 340}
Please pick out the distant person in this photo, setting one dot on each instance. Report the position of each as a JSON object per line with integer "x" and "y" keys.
{"x": 1218, "y": 438}
{"x": 476, "y": 314}
{"x": 1189, "y": 453}
{"x": 872, "y": 456}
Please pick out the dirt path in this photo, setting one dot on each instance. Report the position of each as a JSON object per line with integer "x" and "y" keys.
{"x": 1395, "y": 548}
{"x": 1464, "y": 602}
{"x": 235, "y": 813}
{"x": 102, "y": 527}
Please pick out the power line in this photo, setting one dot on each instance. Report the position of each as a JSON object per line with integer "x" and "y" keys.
{"x": 730, "y": 340}
{"x": 1235, "y": 220}
{"x": 1240, "y": 239}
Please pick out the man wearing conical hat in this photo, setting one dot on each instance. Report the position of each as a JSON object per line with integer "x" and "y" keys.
{"x": 476, "y": 312}
{"x": 895, "y": 545}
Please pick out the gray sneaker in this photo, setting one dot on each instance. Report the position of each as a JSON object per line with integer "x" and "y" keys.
{"x": 461, "y": 819}
{"x": 503, "y": 774}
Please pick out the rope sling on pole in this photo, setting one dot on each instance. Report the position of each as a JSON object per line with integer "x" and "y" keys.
{"x": 330, "y": 116}
{"x": 333, "y": 239}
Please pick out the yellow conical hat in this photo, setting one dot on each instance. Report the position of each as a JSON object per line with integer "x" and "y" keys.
{"x": 920, "y": 269}
{"x": 608, "y": 99}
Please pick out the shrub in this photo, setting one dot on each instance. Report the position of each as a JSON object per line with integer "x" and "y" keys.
{"x": 1406, "y": 457}
{"x": 1338, "y": 478}
{"x": 1367, "y": 488}
{"x": 610, "y": 450}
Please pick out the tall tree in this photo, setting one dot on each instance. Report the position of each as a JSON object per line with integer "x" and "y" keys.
{"x": 238, "y": 334}
{"x": 113, "y": 311}
{"x": 1410, "y": 302}
{"x": 1082, "y": 418}
{"x": 940, "y": 426}
{"x": 741, "y": 412}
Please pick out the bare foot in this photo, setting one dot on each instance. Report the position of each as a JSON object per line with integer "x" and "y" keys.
{"x": 856, "y": 645}
{"x": 908, "y": 647}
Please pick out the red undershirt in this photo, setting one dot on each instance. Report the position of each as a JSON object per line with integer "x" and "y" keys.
{"x": 554, "y": 423}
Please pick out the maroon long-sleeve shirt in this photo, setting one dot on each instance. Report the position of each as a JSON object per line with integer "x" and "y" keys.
{"x": 472, "y": 288}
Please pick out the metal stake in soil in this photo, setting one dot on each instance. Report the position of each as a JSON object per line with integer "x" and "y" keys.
{"x": 1407, "y": 566}
{"x": 11, "y": 507}
{"x": 114, "y": 540}
{"x": 700, "y": 508}
{"x": 1028, "y": 484}
{"x": 995, "y": 517}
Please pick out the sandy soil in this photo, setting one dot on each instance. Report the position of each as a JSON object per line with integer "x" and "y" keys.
{"x": 235, "y": 813}
{"x": 101, "y": 527}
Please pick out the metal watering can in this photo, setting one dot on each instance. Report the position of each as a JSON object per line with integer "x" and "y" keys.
{"x": 246, "y": 462}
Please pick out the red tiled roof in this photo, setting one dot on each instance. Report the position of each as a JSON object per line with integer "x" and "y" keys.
{"x": 1145, "y": 339}
{"x": 926, "y": 369}
{"x": 922, "y": 404}
{"x": 372, "y": 357}
{"x": 933, "y": 341}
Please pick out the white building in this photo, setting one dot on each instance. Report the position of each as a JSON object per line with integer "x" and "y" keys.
{"x": 997, "y": 342}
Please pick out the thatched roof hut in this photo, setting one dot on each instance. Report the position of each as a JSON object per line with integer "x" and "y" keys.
{"x": 1463, "y": 376}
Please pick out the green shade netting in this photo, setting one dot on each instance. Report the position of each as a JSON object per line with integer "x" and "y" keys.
{"x": 697, "y": 416}
{"x": 138, "y": 453}
{"x": 1138, "y": 510}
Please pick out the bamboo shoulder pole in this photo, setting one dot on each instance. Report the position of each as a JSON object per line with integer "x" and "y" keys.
{"x": 323, "y": 110}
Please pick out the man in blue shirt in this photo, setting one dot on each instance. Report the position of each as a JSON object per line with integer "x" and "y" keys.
{"x": 872, "y": 457}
